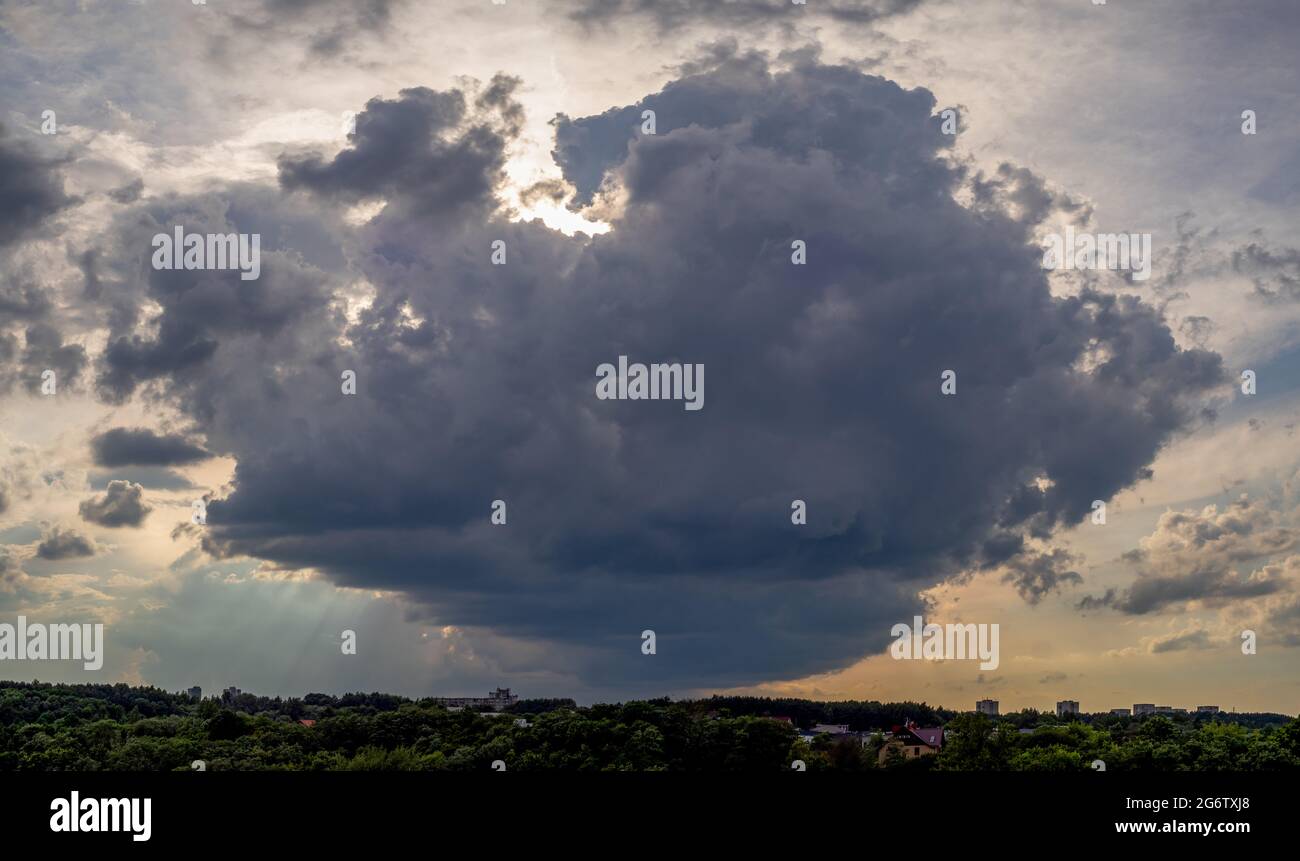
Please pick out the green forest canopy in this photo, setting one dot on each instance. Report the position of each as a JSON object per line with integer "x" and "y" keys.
{"x": 46, "y": 727}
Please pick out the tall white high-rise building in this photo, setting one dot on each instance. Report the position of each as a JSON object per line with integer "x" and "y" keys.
{"x": 1067, "y": 707}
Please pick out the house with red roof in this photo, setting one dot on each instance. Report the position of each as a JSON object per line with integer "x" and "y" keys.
{"x": 912, "y": 741}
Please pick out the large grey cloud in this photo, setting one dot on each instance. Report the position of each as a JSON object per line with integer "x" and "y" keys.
{"x": 205, "y": 308}
{"x": 143, "y": 447}
{"x": 870, "y": 122}
{"x": 476, "y": 382}
{"x": 31, "y": 194}
{"x": 416, "y": 150}
{"x": 30, "y": 188}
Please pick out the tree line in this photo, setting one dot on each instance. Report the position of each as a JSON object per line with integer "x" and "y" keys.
{"x": 45, "y": 727}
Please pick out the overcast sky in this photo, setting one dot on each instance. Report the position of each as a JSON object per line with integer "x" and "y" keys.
{"x": 380, "y": 149}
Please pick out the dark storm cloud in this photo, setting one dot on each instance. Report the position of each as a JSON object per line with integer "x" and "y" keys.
{"x": 672, "y": 14}
{"x": 143, "y": 447}
{"x": 204, "y": 309}
{"x": 1023, "y": 193}
{"x": 45, "y": 350}
{"x": 476, "y": 382}
{"x": 31, "y": 191}
{"x": 500, "y": 97}
{"x": 104, "y": 292}
{"x": 30, "y": 188}
{"x": 121, "y": 505}
{"x": 65, "y": 544}
{"x": 876, "y": 127}
{"x": 1038, "y": 575}
{"x": 414, "y": 149}
{"x": 129, "y": 360}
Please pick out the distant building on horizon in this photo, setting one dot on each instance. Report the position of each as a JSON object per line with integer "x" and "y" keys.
{"x": 1207, "y": 710}
{"x": 1121, "y": 712}
{"x": 498, "y": 700}
{"x": 196, "y": 693}
{"x": 1067, "y": 707}
{"x": 230, "y": 693}
{"x": 1140, "y": 709}
{"x": 987, "y": 707}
